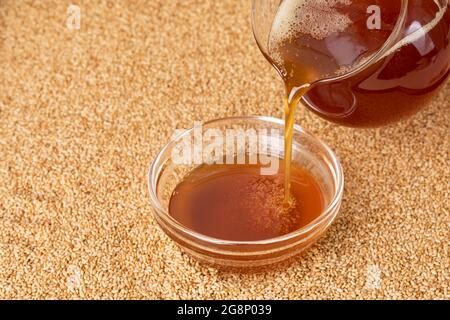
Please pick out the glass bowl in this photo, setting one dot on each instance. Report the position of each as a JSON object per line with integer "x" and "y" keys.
{"x": 308, "y": 152}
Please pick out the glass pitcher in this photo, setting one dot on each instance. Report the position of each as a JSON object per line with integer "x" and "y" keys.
{"x": 397, "y": 81}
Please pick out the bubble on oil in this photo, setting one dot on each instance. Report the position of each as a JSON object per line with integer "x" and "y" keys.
{"x": 265, "y": 205}
{"x": 316, "y": 18}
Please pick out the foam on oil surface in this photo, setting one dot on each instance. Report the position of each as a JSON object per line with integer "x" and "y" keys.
{"x": 266, "y": 207}
{"x": 317, "y": 18}
{"x": 320, "y": 18}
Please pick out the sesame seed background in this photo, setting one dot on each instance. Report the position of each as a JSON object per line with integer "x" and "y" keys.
{"x": 84, "y": 112}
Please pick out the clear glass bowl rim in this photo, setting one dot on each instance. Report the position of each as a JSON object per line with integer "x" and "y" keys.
{"x": 155, "y": 170}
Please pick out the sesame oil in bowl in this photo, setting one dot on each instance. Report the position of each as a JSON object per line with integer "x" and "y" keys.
{"x": 236, "y": 202}
{"x": 232, "y": 215}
